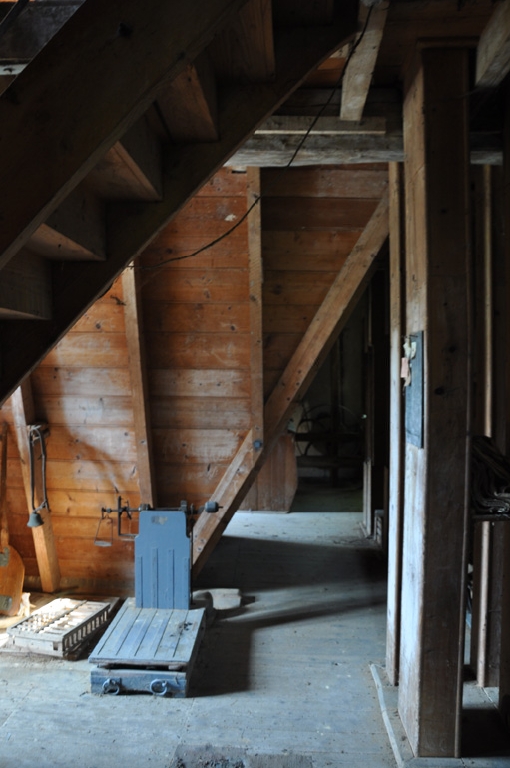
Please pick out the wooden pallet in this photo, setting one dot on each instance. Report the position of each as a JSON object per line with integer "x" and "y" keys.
{"x": 60, "y": 627}
{"x": 150, "y": 650}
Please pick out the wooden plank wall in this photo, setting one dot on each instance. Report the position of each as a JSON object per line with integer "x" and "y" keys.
{"x": 311, "y": 220}
{"x": 197, "y": 334}
{"x": 196, "y": 330}
{"x": 83, "y": 391}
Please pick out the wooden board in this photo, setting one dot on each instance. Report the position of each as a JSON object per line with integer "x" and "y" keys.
{"x": 437, "y": 296}
{"x": 315, "y": 213}
{"x": 141, "y": 637}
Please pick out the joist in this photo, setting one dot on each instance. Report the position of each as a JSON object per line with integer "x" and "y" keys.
{"x": 45, "y": 549}
{"x": 360, "y": 68}
{"x": 294, "y": 381}
{"x": 278, "y": 149}
{"x": 186, "y": 169}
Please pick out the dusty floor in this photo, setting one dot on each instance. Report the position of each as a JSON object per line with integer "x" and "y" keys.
{"x": 283, "y": 683}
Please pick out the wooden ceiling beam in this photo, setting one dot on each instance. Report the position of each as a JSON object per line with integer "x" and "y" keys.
{"x": 130, "y": 227}
{"x": 358, "y": 73}
{"x": 327, "y": 323}
{"x": 138, "y": 45}
{"x": 277, "y": 149}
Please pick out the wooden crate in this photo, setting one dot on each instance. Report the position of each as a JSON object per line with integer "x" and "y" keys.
{"x": 150, "y": 650}
{"x": 59, "y": 627}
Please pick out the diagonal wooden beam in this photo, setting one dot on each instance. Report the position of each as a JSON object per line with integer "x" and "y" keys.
{"x": 110, "y": 60}
{"x": 358, "y": 74}
{"x": 329, "y": 320}
{"x": 131, "y": 227}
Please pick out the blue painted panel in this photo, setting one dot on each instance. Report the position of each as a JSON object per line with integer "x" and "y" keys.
{"x": 162, "y": 560}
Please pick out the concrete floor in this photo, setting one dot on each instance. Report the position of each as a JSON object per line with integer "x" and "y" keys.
{"x": 284, "y": 682}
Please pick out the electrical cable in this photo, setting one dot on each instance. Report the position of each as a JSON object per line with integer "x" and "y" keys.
{"x": 299, "y": 147}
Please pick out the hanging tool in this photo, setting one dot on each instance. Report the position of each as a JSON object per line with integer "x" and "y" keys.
{"x": 12, "y": 569}
{"x": 36, "y": 434}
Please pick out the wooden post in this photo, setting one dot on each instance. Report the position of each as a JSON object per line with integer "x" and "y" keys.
{"x": 44, "y": 541}
{"x": 396, "y": 468}
{"x": 504, "y": 414}
{"x": 437, "y": 299}
{"x": 138, "y": 371}
{"x": 256, "y": 278}
{"x": 486, "y": 613}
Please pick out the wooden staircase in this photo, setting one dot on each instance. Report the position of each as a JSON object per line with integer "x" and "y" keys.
{"x": 125, "y": 112}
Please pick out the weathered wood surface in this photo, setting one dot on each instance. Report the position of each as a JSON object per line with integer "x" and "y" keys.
{"x": 325, "y": 327}
{"x": 396, "y": 465}
{"x": 138, "y": 372}
{"x": 44, "y": 540}
{"x": 437, "y": 231}
{"x": 186, "y": 168}
{"x": 145, "y": 637}
{"x": 338, "y": 182}
{"x": 199, "y": 349}
{"x": 276, "y": 484}
{"x": 358, "y": 73}
{"x": 243, "y": 51}
{"x": 188, "y": 105}
{"x": 493, "y": 51}
{"x": 93, "y": 40}
{"x": 256, "y": 277}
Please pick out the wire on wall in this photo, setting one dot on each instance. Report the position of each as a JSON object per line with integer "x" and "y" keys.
{"x": 299, "y": 147}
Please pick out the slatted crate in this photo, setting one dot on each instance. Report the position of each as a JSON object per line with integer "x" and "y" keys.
{"x": 60, "y": 627}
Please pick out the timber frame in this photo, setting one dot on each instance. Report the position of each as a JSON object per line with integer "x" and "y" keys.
{"x": 169, "y": 286}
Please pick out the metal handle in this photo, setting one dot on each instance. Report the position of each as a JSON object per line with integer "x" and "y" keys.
{"x": 159, "y": 687}
{"x": 112, "y": 686}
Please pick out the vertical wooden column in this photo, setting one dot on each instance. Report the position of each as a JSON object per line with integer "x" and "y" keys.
{"x": 504, "y": 433}
{"x": 486, "y": 614}
{"x": 256, "y": 277}
{"x": 396, "y": 468}
{"x": 44, "y": 541}
{"x": 437, "y": 298}
{"x": 138, "y": 372}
